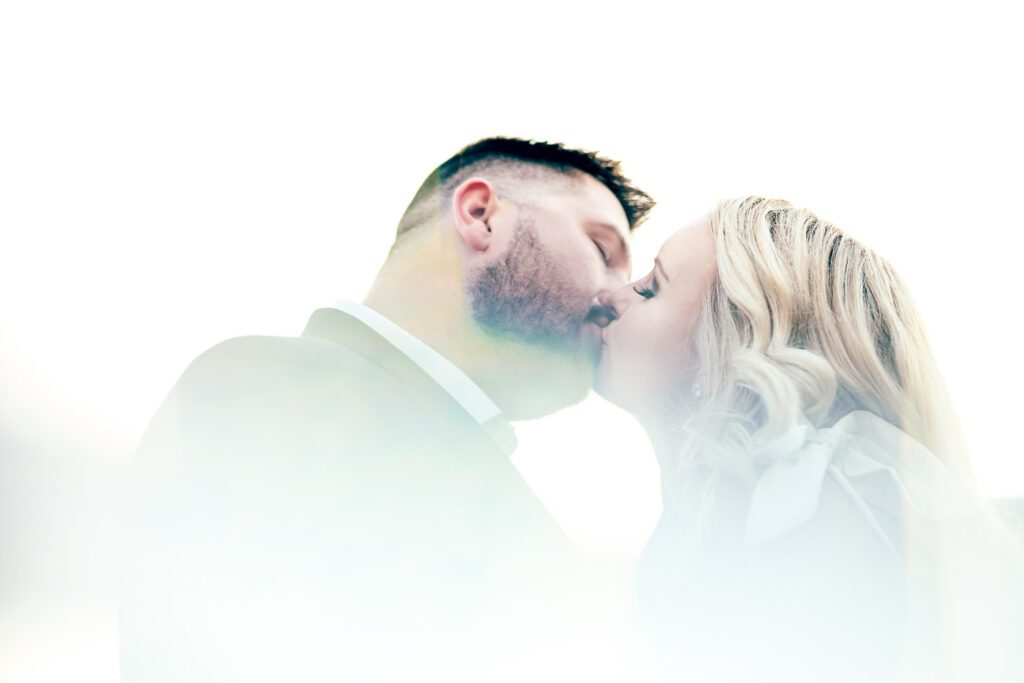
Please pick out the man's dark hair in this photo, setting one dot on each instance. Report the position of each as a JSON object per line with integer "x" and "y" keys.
{"x": 523, "y": 158}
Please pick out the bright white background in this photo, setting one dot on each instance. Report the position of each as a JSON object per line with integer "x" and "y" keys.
{"x": 173, "y": 174}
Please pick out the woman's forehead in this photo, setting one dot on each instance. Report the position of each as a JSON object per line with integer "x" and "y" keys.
{"x": 689, "y": 247}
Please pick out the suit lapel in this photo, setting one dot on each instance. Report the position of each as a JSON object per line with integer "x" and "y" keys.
{"x": 354, "y": 334}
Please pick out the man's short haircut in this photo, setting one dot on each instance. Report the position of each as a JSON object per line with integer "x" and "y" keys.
{"x": 514, "y": 160}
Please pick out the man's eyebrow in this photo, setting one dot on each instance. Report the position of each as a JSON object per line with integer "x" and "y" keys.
{"x": 659, "y": 264}
{"x": 608, "y": 227}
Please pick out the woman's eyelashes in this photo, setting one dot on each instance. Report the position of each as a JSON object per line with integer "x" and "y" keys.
{"x": 602, "y": 252}
{"x": 648, "y": 288}
{"x": 645, "y": 292}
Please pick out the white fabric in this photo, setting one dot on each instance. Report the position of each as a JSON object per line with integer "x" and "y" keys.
{"x": 876, "y": 464}
{"x": 441, "y": 370}
{"x": 963, "y": 573}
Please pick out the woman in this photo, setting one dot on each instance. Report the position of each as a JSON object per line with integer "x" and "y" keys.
{"x": 819, "y": 514}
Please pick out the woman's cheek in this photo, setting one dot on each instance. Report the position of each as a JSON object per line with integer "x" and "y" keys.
{"x": 666, "y": 349}
{"x": 648, "y": 354}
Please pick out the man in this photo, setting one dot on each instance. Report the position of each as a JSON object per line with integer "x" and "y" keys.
{"x": 341, "y": 505}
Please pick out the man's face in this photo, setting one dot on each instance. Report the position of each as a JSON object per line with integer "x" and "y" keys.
{"x": 568, "y": 245}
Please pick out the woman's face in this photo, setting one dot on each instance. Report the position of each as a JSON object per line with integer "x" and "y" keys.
{"x": 647, "y": 354}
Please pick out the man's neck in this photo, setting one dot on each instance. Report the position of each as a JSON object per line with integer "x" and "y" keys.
{"x": 424, "y": 296}
{"x": 434, "y": 311}
{"x": 420, "y": 288}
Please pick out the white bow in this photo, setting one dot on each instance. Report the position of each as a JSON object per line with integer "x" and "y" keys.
{"x": 876, "y": 464}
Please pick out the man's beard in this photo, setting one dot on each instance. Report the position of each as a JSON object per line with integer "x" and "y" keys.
{"x": 526, "y": 296}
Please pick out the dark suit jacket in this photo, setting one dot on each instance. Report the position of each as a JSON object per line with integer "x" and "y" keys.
{"x": 318, "y": 508}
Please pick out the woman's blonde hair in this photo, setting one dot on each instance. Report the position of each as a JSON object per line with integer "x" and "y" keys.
{"x": 803, "y": 320}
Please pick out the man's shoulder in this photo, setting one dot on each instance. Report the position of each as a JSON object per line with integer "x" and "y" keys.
{"x": 268, "y": 360}
{"x": 283, "y": 380}
{"x": 265, "y": 396}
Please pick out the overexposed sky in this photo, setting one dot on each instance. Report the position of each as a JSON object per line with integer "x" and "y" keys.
{"x": 175, "y": 174}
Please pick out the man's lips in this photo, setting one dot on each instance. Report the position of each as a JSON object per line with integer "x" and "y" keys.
{"x": 602, "y": 316}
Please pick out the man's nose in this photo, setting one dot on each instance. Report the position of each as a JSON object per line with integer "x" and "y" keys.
{"x": 620, "y": 299}
{"x": 615, "y": 279}
{"x": 609, "y": 305}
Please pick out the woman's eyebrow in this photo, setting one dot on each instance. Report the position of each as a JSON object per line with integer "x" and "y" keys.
{"x": 659, "y": 264}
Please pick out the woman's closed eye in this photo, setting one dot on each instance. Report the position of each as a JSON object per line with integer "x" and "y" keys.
{"x": 648, "y": 288}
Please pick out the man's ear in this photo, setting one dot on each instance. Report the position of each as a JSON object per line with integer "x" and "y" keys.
{"x": 473, "y": 204}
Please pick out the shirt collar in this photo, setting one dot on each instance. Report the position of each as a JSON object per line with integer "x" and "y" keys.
{"x": 453, "y": 380}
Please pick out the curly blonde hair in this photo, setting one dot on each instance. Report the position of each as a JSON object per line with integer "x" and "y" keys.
{"x": 803, "y": 320}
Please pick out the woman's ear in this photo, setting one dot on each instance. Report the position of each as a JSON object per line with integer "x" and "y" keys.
{"x": 473, "y": 204}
